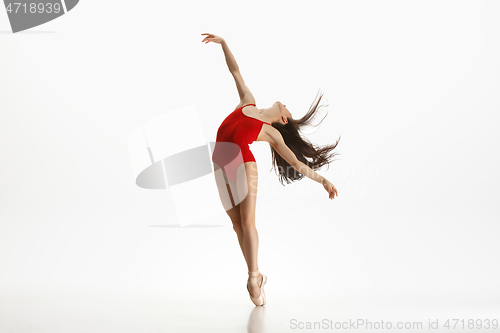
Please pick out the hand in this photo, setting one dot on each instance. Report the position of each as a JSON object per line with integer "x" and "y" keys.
{"x": 212, "y": 38}
{"x": 330, "y": 188}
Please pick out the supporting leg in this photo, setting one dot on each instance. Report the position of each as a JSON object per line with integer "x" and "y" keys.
{"x": 250, "y": 235}
{"x": 239, "y": 233}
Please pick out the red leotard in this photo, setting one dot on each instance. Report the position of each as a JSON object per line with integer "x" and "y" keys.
{"x": 238, "y": 130}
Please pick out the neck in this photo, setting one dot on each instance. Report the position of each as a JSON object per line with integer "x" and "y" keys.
{"x": 270, "y": 115}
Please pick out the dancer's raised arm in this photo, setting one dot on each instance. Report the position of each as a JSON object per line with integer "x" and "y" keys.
{"x": 246, "y": 96}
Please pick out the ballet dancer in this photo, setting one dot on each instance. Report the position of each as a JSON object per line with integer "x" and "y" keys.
{"x": 235, "y": 167}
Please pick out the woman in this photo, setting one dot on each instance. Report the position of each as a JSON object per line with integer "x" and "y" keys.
{"x": 235, "y": 168}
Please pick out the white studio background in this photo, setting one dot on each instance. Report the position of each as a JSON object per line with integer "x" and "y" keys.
{"x": 413, "y": 91}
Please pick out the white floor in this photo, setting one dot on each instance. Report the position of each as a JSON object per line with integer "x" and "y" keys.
{"x": 228, "y": 311}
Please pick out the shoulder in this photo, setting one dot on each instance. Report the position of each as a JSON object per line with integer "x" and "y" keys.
{"x": 271, "y": 135}
{"x": 245, "y": 101}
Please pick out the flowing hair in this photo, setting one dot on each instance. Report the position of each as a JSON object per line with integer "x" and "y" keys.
{"x": 302, "y": 148}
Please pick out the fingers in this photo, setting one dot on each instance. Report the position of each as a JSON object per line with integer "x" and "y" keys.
{"x": 207, "y": 39}
{"x": 333, "y": 192}
{"x": 208, "y": 36}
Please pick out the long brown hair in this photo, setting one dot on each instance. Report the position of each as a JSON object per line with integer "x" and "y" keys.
{"x": 318, "y": 155}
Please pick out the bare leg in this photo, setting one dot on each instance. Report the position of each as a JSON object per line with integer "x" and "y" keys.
{"x": 240, "y": 240}
{"x": 234, "y": 214}
{"x": 243, "y": 214}
{"x": 250, "y": 235}
{"x": 230, "y": 202}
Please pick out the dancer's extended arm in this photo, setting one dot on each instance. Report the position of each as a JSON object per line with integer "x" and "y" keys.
{"x": 275, "y": 139}
{"x": 245, "y": 94}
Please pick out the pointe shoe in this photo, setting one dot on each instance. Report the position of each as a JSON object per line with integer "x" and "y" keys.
{"x": 261, "y": 300}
